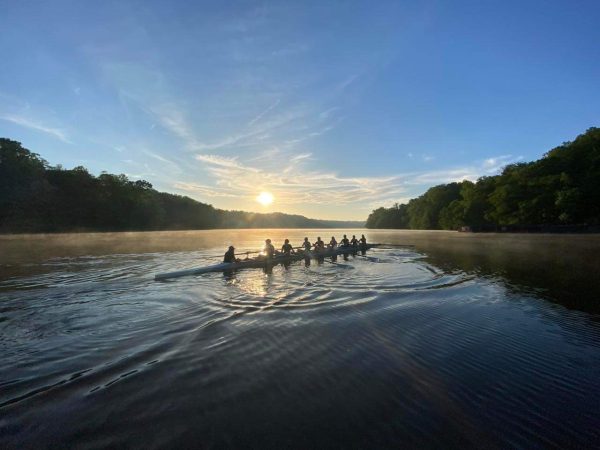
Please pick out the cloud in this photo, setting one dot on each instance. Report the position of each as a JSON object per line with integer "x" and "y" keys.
{"x": 161, "y": 159}
{"x": 496, "y": 163}
{"x": 433, "y": 178}
{"x": 291, "y": 186}
{"x": 346, "y": 82}
{"x": 301, "y": 156}
{"x": 221, "y": 161}
{"x": 292, "y": 49}
{"x": 265, "y": 112}
{"x": 174, "y": 120}
{"x": 208, "y": 191}
{"x": 33, "y": 125}
{"x": 328, "y": 112}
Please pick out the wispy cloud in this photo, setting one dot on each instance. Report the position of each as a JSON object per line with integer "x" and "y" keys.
{"x": 37, "y": 126}
{"x": 495, "y": 163}
{"x": 432, "y": 178}
{"x": 296, "y": 186}
{"x": 291, "y": 186}
{"x": 328, "y": 112}
{"x": 265, "y": 112}
{"x": 346, "y": 82}
{"x": 161, "y": 158}
{"x": 221, "y": 161}
{"x": 208, "y": 191}
{"x": 301, "y": 156}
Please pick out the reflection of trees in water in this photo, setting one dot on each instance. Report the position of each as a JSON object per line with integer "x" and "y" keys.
{"x": 566, "y": 273}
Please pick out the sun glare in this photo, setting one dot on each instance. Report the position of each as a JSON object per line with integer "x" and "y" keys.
{"x": 265, "y": 198}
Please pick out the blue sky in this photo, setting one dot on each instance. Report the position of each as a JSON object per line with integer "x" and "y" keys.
{"x": 334, "y": 107}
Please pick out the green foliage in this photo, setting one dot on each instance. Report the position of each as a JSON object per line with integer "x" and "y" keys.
{"x": 424, "y": 211}
{"x": 562, "y": 188}
{"x": 35, "y": 197}
{"x": 394, "y": 217}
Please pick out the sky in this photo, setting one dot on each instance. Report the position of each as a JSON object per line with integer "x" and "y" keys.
{"x": 335, "y": 108}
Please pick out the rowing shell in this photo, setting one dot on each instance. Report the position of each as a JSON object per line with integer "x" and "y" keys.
{"x": 262, "y": 262}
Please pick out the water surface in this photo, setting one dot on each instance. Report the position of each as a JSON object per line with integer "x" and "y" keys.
{"x": 447, "y": 340}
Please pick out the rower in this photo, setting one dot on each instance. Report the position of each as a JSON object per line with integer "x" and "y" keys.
{"x": 354, "y": 241}
{"x": 286, "y": 248}
{"x": 306, "y": 245}
{"x": 230, "y": 255}
{"x": 332, "y": 242}
{"x": 319, "y": 245}
{"x": 345, "y": 242}
{"x": 363, "y": 240}
{"x": 269, "y": 250}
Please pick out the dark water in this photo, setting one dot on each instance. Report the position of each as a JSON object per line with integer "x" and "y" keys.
{"x": 460, "y": 341}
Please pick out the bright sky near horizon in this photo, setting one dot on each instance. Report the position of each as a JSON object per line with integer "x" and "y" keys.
{"x": 334, "y": 108}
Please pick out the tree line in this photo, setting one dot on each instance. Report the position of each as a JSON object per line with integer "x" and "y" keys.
{"x": 562, "y": 189}
{"x": 36, "y": 197}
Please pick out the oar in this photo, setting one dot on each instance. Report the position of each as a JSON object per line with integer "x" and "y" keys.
{"x": 237, "y": 253}
{"x": 370, "y": 258}
{"x": 345, "y": 266}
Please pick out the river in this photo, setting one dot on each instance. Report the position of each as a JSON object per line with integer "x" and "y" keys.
{"x": 441, "y": 340}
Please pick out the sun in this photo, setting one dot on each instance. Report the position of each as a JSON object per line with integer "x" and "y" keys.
{"x": 265, "y": 198}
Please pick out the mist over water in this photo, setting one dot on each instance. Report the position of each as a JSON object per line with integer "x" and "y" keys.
{"x": 451, "y": 340}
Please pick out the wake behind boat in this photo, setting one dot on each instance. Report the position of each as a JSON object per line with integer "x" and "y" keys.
{"x": 262, "y": 261}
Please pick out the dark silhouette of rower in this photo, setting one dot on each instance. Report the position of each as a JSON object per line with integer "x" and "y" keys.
{"x": 363, "y": 244}
{"x": 287, "y": 248}
{"x": 269, "y": 249}
{"x": 230, "y": 255}
{"x": 344, "y": 242}
{"x": 306, "y": 245}
{"x": 319, "y": 245}
{"x": 354, "y": 241}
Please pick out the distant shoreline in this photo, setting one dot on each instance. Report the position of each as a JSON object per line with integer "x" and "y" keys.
{"x": 360, "y": 226}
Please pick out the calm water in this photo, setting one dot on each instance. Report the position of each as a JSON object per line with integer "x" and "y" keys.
{"x": 461, "y": 340}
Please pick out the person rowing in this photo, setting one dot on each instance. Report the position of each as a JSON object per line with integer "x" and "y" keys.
{"x": 354, "y": 241}
{"x": 287, "y": 248}
{"x": 319, "y": 245}
{"x": 306, "y": 245}
{"x": 230, "y": 255}
{"x": 269, "y": 250}
{"x": 333, "y": 243}
{"x": 363, "y": 240}
{"x": 345, "y": 242}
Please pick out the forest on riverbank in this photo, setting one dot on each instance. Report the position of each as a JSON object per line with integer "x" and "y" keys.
{"x": 36, "y": 197}
{"x": 559, "y": 191}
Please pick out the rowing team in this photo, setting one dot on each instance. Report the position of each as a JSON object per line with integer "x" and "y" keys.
{"x": 287, "y": 249}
